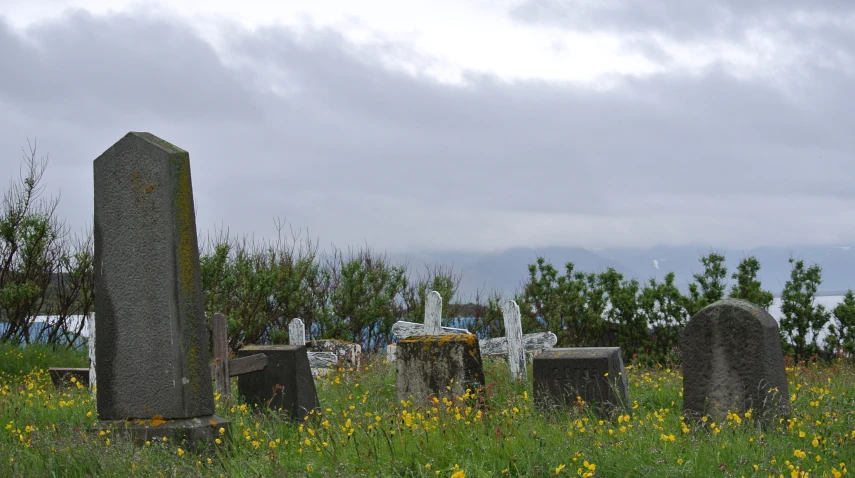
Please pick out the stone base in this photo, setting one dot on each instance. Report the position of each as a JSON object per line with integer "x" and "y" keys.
{"x": 194, "y": 433}
{"x": 438, "y": 366}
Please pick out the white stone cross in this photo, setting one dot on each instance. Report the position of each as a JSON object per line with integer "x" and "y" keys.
{"x": 317, "y": 360}
{"x": 514, "y": 344}
{"x": 433, "y": 321}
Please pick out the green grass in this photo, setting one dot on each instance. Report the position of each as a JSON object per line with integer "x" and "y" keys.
{"x": 364, "y": 431}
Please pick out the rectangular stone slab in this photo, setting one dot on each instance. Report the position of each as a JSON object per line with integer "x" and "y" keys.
{"x": 286, "y": 383}
{"x": 152, "y": 346}
{"x": 426, "y": 365}
{"x": 560, "y": 375}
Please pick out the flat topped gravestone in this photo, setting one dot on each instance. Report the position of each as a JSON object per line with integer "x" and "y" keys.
{"x": 438, "y": 365}
{"x": 152, "y": 349}
{"x": 285, "y": 384}
{"x": 594, "y": 374}
{"x": 733, "y": 360}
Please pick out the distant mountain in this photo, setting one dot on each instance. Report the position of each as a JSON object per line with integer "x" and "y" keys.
{"x": 505, "y": 271}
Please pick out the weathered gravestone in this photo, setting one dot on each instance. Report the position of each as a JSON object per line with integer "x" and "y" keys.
{"x": 427, "y": 364}
{"x": 531, "y": 343}
{"x": 285, "y": 384}
{"x": 320, "y": 362}
{"x": 433, "y": 321}
{"x": 594, "y": 374}
{"x": 514, "y": 344}
{"x": 733, "y": 360}
{"x": 152, "y": 349}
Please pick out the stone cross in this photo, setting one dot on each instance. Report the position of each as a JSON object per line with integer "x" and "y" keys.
{"x": 513, "y": 332}
{"x": 433, "y": 321}
{"x": 153, "y": 369}
{"x": 515, "y": 344}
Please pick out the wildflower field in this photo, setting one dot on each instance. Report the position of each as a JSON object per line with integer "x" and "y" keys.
{"x": 364, "y": 431}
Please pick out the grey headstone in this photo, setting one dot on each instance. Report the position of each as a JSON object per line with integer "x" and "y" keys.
{"x": 349, "y": 353}
{"x": 286, "y": 383}
{"x": 297, "y": 332}
{"x": 733, "y": 360}
{"x": 561, "y": 375}
{"x": 514, "y": 335}
{"x": 427, "y": 364}
{"x": 152, "y": 348}
{"x": 433, "y": 313}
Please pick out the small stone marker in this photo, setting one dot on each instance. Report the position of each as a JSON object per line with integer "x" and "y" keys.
{"x": 320, "y": 362}
{"x": 391, "y": 350}
{"x": 349, "y": 354}
{"x": 427, "y": 364}
{"x": 222, "y": 369}
{"x": 733, "y": 360}
{"x": 513, "y": 328}
{"x": 296, "y": 332}
{"x": 286, "y": 383}
{"x": 562, "y": 375}
{"x": 152, "y": 349}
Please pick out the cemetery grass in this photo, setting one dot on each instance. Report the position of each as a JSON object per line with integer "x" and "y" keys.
{"x": 363, "y": 430}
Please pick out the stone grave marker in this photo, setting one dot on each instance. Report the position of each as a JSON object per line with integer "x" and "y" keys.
{"x": 532, "y": 343}
{"x": 152, "y": 353}
{"x": 427, "y": 364}
{"x": 320, "y": 362}
{"x": 285, "y": 384}
{"x": 594, "y": 374}
{"x": 515, "y": 344}
{"x": 733, "y": 360}
{"x": 433, "y": 321}
{"x": 222, "y": 369}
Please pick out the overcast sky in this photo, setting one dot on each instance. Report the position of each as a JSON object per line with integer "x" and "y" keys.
{"x": 471, "y": 125}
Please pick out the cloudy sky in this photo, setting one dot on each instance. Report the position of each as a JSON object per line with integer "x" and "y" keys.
{"x": 470, "y": 125}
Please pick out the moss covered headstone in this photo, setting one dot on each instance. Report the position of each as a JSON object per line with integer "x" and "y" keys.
{"x": 152, "y": 351}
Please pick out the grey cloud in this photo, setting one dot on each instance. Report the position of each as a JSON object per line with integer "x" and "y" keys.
{"x": 358, "y": 153}
{"x": 677, "y": 18}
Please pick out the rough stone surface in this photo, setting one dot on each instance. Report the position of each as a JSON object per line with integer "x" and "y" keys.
{"x": 514, "y": 339}
{"x": 195, "y": 433}
{"x": 152, "y": 345}
{"x": 349, "y": 354}
{"x": 427, "y": 364}
{"x": 732, "y": 360}
{"x": 391, "y": 351}
{"x": 433, "y": 313}
{"x": 285, "y": 384}
{"x": 561, "y": 375}
{"x": 533, "y": 344}
{"x": 296, "y": 332}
